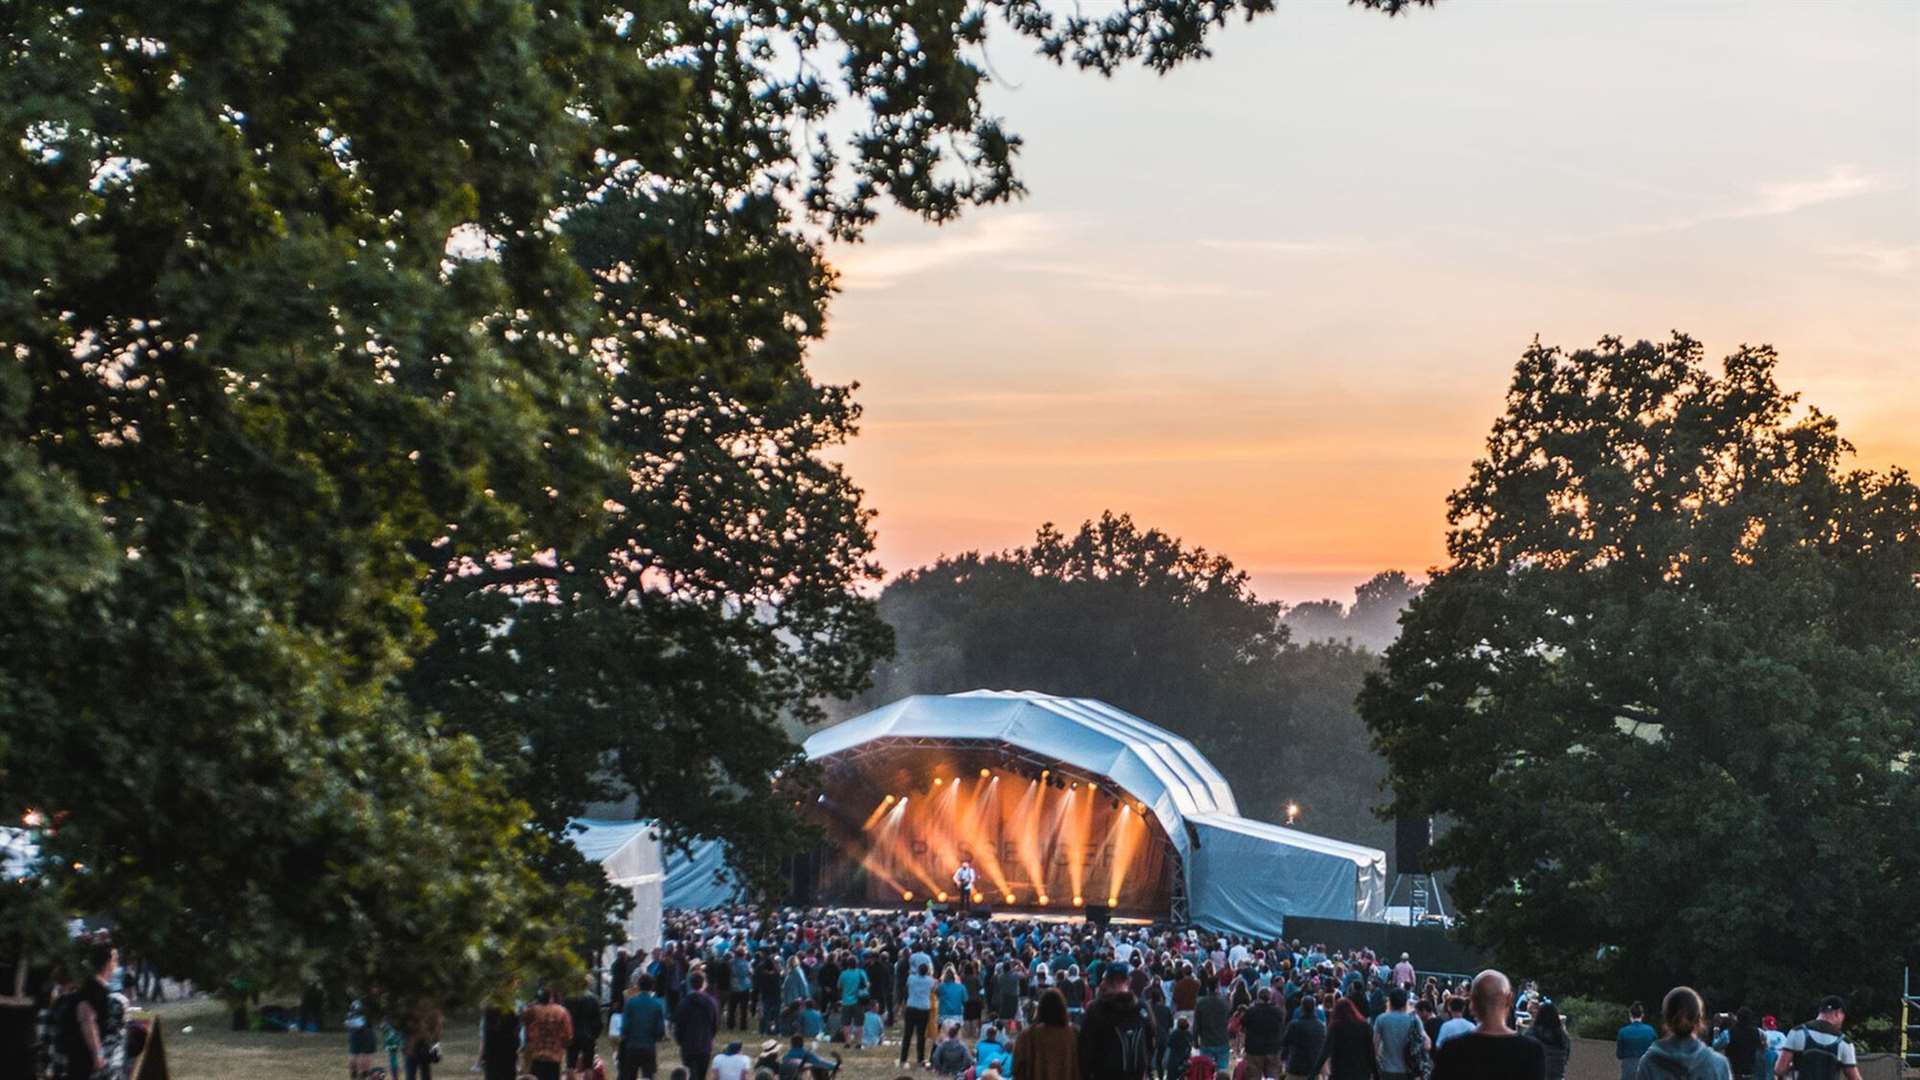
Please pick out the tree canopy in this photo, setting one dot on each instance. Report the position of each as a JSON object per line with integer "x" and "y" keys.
{"x": 1171, "y": 633}
{"x": 1667, "y": 691}
{"x": 309, "y": 307}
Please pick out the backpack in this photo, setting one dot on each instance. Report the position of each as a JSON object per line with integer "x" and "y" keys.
{"x": 1817, "y": 1061}
{"x": 1123, "y": 1050}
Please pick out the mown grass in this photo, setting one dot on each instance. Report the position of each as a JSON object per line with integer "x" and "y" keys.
{"x": 200, "y": 1046}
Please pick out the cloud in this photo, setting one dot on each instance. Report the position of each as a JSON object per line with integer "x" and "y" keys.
{"x": 1286, "y": 247}
{"x": 1774, "y": 199}
{"x": 1129, "y": 282}
{"x": 881, "y": 266}
{"x": 1883, "y": 259}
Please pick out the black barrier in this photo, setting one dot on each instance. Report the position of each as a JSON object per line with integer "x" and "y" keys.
{"x": 1432, "y": 948}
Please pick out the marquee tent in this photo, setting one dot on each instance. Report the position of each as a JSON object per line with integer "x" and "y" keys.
{"x": 1239, "y": 875}
{"x": 630, "y": 853}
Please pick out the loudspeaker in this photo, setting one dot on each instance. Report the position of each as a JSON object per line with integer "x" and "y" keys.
{"x": 982, "y": 911}
{"x": 1411, "y": 838}
{"x": 942, "y": 909}
{"x": 1099, "y": 915}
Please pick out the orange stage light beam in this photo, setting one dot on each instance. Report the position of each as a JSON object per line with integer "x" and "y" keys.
{"x": 1079, "y": 825}
{"x": 1024, "y": 817}
{"x": 1128, "y": 829}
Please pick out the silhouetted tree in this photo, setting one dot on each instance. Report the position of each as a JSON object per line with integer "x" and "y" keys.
{"x": 1173, "y": 634}
{"x": 1668, "y": 689}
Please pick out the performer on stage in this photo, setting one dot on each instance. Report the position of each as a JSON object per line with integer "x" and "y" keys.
{"x": 964, "y": 878}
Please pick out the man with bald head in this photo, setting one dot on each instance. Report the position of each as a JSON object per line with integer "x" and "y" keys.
{"x": 1492, "y": 1050}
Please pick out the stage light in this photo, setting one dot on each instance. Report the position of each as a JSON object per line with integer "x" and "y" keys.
{"x": 936, "y": 781}
{"x": 822, "y": 798}
{"x": 1043, "y": 900}
{"x": 1293, "y": 811}
{"x": 1044, "y": 773}
{"x": 1113, "y": 901}
{"x": 907, "y": 896}
{"x": 942, "y": 897}
{"x": 1008, "y": 897}
{"x": 977, "y": 898}
{"x": 984, "y": 773}
{"x": 1079, "y": 901}
{"x": 1075, "y": 786}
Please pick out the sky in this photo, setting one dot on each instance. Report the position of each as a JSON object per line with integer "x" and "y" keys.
{"x": 1270, "y": 303}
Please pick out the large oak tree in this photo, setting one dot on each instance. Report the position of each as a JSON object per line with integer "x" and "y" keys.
{"x": 1667, "y": 691}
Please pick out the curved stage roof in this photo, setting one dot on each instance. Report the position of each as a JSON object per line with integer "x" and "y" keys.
{"x": 1241, "y": 875}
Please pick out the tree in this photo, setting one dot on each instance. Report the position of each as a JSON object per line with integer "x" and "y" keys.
{"x": 1668, "y": 688}
{"x": 1372, "y": 622}
{"x": 294, "y": 327}
{"x": 1170, "y": 633}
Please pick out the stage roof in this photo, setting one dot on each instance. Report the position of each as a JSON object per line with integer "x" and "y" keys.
{"x": 1241, "y": 875}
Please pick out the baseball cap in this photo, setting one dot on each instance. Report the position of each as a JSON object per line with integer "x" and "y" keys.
{"x": 1833, "y": 1003}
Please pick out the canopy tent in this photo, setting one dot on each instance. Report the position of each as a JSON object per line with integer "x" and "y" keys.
{"x": 1239, "y": 875}
{"x": 630, "y": 853}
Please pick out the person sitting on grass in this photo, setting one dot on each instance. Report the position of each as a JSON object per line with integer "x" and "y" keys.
{"x": 951, "y": 1057}
{"x": 989, "y": 1053}
{"x": 873, "y": 1030}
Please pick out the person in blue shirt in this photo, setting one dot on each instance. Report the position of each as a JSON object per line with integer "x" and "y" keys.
{"x": 802, "y": 1061}
{"x": 854, "y": 991}
{"x": 811, "y": 1021}
{"x": 988, "y": 1053}
{"x": 643, "y": 1023}
{"x": 872, "y": 1030}
{"x": 1631, "y": 1044}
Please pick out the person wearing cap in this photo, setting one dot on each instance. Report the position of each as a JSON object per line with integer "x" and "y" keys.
{"x": 1403, "y": 973}
{"x": 731, "y": 1064}
{"x": 1816, "y": 1048}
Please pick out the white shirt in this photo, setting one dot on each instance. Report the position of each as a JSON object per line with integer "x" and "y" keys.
{"x": 1797, "y": 1042}
{"x": 732, "y": 1066}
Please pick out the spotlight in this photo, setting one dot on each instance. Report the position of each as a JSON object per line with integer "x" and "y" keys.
{"x": 1079, "y": 901}
{"x": 984, "y": 773}
{"x": 888, "y": 799}
{"x": 936, "y": 781}
{"x": 1113, "y": 901}
{"x": 1043, "y": 899}
{"x": 942, "y": 897}
{"x": 1044, "y": 773}
{"x": 907, "y": 896}
{"x": 1075, "y": 786}
{"x": 977, "y": 898}
{"x": 1008, "y": 897}
{"x": 822, "y": 798}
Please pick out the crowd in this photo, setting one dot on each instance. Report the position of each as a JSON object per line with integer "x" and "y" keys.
{"x": 970, "y": 999}
{"x": 1028, "y": 1000}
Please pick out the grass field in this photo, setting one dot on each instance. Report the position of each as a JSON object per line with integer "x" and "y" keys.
{"x": 200, "y": 1047}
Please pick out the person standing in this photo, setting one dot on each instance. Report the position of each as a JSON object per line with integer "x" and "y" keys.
{"x": 740, "y": 991}
{"x": 361, "y": 1041}
{"x": 1491, "y": 1050}
{"x": 1116, "y": 1042}
{"x": 499, "y": 1044}
{"x": 424, "y": 1026}
{"x": 1551, "y": 1033}
{"x": 695, "y": 1023}
{"x": 1399, "y": 1039}
{"x": 731, "y": 1065}
{"x": 854, "y": 991}
{"x": 1816, "y": 1050}
{"x": 766, "y": 984}
{"x": 919, "y": 1006}
{"x": 1211, "y": 1029}
{"x": 963, "y": 880}
{"x": 621, "y": 976}
{"x": 1261, "y": 1026}
{"x": 584, "y": 1010}
{"x": 1349, "y": 1053}
{"x": 1682, "y": 1055}
{"x": 1303, "y": 1041}
{"x": 1630, "y": 1043}
{"x": 549, "y": 1030}
{"x": 1403, "y": 973}
{"x": 1048, "y": 1048}
{"x": 643, "y": 1023}
{"x": 1456, "y": 1024}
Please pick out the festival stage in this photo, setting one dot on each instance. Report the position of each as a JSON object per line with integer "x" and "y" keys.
{"x": 1062, "y": 804}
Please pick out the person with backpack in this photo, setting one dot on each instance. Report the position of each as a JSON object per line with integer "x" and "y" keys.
{"x": 1262, "y": 1025}
{"x": 1816, "y": 1050}
{"x": 1400, "y": 1039}
{"x": 1116, "y": 1040}
{"x": 1744, "y": 1044}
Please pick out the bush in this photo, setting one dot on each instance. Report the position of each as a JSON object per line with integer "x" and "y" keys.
{"x": 1591, "y": 1018}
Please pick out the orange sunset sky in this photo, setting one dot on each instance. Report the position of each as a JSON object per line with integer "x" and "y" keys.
{"x": 1270, "y": 302}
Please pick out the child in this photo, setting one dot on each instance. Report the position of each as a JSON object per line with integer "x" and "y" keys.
{"x": 872, "y": 1030}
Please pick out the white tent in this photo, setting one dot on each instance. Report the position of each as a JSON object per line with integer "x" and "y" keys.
{"x": 629, "y": 852}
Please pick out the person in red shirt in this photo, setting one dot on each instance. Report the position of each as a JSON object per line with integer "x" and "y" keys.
{"x": 549, "y": 1029}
